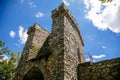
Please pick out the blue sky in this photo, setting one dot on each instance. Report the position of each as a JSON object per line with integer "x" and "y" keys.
{"x": 99, "y": 23}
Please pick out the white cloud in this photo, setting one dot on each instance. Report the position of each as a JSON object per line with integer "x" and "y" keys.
{"x": 12, "y": 34}
{"x": 103, "y": 47}
{"x": 22, "y": 34}
{"x": 104, "y": 15}
{"x": 18, "y": 45}
{"x": 99, "y": 56}
{"x": 88, "y": 59}
{"x": 66, "y": 2}
{"x": 39, "y": 14}
{"x": 31, "y": 5}
{"x": 4, "y": 58}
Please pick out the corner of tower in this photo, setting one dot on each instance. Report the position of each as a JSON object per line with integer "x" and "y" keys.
{"x": 33, "y": 28}
{"x": 59, "y": 10}
{"x": 62, "y": 10}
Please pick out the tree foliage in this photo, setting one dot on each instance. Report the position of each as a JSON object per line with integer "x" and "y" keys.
{"x": 105, "y": 1}
{"x": 7, "y": 66}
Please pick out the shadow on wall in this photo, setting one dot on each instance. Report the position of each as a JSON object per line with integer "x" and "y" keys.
{"x": 33, "y": 74}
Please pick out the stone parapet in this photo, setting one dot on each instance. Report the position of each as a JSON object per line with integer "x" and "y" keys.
{"x": 103, "y": 70}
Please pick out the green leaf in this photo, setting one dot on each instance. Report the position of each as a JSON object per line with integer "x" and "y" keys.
{"x": 7, "y": 67}
{"x": 105, "y": 1}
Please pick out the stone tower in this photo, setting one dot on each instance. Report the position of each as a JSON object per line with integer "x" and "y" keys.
{"x": 53, "y": 56}
{"x": 36, "y": 37}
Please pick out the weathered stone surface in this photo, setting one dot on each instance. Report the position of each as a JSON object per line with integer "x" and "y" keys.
{"x": 54, "y": 56}
{"x": 59, "y": 55}
{"x": 36, "y": 38}
{"x": 104, "y": 70}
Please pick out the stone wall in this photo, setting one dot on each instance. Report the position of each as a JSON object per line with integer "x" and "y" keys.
{"x": 59, "y": 55}
{"x": 66, "y": 43}
{"x": 104, "y": 70}
{"x": 36, "y": 38}
{"x": 55, "y": 55}
{"x": 63, "y": 49}
{"x": 73, "y": 49}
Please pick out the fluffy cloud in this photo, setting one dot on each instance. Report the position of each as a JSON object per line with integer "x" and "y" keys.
{"x": 98, "y": 56}
{"x": 66, "y": 2}
{"x": 31, "y": 5}
{"x": 22, "y": 34}
{"x": 88, "y": 59}
{"x": 12, "y": 34}
{"x": 103, "y": 47}
{"x": 39, "y": 14}
{"x": 104, "y": 15}
{"x": 4, "y": 58}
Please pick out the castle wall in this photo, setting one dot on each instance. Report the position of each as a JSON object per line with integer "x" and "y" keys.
{"x": 66, "y": 46}
{"x": 36, "y": 38}
{"x": 55, "y": 62}
{"x": 104, "y": 70}
{"x": 60, "y": 55}
{"x": 73, "y": 49}
{"x": 57, "y": 54}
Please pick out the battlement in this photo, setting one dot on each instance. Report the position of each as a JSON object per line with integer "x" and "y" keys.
{"x": 56, "y": 12}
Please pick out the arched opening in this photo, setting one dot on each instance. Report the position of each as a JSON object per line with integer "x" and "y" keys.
{"x": 33, "y": 74}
